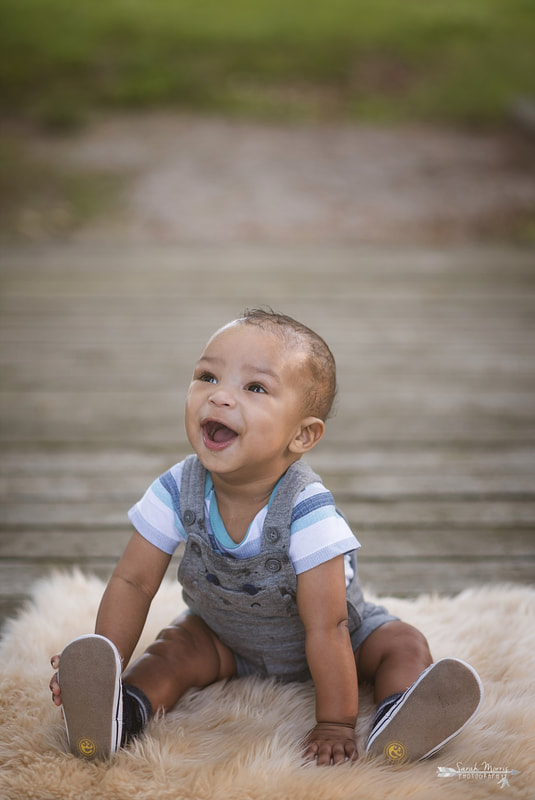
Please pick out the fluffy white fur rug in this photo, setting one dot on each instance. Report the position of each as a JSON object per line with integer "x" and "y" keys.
{"x": 241, "y": 739}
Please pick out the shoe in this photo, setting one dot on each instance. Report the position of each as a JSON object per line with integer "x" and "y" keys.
{"x": 89, "y": 676}
{"x": 431, "y": 712}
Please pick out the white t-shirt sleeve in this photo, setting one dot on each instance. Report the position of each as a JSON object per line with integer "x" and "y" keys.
{"x": 318, "y": 532}
{"x": 157, "y": 515}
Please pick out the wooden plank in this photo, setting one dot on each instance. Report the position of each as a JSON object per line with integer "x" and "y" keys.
{"x": 77, "y": 546}
{"x": 428, "y": 513}
{"x": 378, "y": 326}
{"x": 127, "y": 265}
{"x": 72, "y": 546}
{"x": 128, "y": 486}
{"x": 411, "y": 578}
{"x": 30, "y": 461}
{"x": 347, "y": 468}
{"x": 422, "y": 513}
{"x": 467, "y": 543}
{"x": 416, "y": 458}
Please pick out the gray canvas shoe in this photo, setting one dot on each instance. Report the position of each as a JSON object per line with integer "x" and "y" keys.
{"x": 431, "y": 712}
{"x": 89, "y": 676}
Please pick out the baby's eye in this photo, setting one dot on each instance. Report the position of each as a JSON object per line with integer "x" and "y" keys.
{"x": 207, "y": 377}
{"x": 256, "y": 387}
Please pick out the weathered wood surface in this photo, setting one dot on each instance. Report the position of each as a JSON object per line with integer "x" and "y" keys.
{"x": 431, "y": 452}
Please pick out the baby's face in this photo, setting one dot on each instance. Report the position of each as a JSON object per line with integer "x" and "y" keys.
{"x": 245, "y": 402}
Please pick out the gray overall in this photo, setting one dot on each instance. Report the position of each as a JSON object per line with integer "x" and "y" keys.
{"x": 251, "y": 603}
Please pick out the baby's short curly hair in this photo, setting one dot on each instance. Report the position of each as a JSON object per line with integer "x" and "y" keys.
{"x": 321, "y": 391}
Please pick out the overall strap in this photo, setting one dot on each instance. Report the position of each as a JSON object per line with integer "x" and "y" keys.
{"x": 276, "y": 528}
{"x": 192, "y": 494}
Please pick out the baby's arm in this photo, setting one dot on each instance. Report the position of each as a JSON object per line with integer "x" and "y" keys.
{"x": 322, "y": 604}
{"x": 129, "y": 593}
{"x": 126, "y": 600}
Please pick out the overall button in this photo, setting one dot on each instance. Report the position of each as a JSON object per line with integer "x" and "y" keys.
{"x": 189, "y": 517}
{"x": 272, "y": 535}
{"x": 273, "y": 564}
{"x": 195, "y": 548}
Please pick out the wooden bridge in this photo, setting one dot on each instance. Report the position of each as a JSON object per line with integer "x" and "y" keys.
{"x": 431, "y": 451}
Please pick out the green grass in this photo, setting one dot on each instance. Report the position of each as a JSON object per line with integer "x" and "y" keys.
{"x": 461, "y": 60}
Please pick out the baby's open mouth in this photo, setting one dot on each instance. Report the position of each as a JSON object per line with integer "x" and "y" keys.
{"x": 216, "y": 435}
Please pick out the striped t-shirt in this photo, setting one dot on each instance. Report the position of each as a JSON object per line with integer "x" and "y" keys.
{"x": 318, "y": 532}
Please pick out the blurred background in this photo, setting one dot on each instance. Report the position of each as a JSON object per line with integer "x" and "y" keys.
{"x": 365, "y": 167}
{"x": 76, "y": 81}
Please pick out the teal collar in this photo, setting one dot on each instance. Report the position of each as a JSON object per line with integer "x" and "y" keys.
{"x": 216, "y": 523}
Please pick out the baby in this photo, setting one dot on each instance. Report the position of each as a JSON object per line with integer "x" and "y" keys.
{"x": 268, "y": 573}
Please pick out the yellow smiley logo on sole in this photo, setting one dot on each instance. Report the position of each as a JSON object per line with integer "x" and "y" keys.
{"x": 87, "y": 748}
{"x": 396, "y": 752}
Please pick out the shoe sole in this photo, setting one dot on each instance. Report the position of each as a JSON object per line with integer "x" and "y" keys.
{"x": 435, "y": 709}
{"x": 89, "y": 676}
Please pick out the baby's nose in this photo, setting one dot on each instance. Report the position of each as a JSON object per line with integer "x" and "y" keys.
{"x": 222, "y": 397}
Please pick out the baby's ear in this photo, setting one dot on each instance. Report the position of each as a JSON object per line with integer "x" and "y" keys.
{"x": 310, "y": 432}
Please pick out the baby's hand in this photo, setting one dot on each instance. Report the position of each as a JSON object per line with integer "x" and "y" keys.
{"x": 54, "y": 685}
{"x": 331, "y": 742}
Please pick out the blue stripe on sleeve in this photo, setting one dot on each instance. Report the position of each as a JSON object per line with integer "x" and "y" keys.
{"x": 171, "y": 491}
{"x": 311, "y": 504}
{"x": 162, "y": 494}
{"x": 313, "y": 509}
{"x": 327, "y": 512}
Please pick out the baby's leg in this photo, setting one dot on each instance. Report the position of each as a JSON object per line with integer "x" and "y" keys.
{"x": 392, "y": 657}
{"x": 421, "y": 705}
{"x": 186, "y": 654}
{"x": 104, "y": 710}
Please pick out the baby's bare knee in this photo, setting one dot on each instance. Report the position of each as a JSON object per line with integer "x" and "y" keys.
{"x": 174, "y": 642}
{"x": 187, "y": 652}
{"x": 410, "y": 642}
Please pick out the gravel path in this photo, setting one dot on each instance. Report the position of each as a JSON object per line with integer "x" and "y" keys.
{"x": 211, "y": 180}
